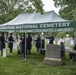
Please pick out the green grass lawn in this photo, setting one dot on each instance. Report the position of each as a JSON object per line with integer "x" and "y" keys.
{"x": 13, "y": 64}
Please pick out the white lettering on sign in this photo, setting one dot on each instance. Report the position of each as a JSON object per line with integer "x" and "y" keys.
{"x": 8, "y": 27}
{"x": 55, "y": 25}
{"x": 29, "y": 26}
{"x": 33, "y": 26}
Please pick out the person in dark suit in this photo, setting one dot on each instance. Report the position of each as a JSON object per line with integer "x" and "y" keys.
{"x": 10, "y": 42}
{"x": 38, "y": 42}
{"x": 29, "y": 44}
{"x": 51, "y": 39}
{"x": 23, "y": 45}
{"x": 73, "y": 53}
{"x": 2, "y": 41}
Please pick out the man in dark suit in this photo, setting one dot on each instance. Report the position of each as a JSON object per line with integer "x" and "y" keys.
{"x": 22, "y": 38}
{"x": 51, "y": 39}
{"x": 28, "y": 44}
{"x": 38, "y": 42}
{"x": 10, "y": 42}
{"x": 2, "y": 41}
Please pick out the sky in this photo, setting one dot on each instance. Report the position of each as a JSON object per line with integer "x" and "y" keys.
{"x": 49, "y": 6}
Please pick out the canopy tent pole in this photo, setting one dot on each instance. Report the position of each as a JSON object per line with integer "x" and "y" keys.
{"x": 25, "y": 47}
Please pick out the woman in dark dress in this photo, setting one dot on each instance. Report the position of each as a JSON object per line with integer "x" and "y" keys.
{"x": 38, "y": 42}
{"x": 10, "y": 42}
{"x": 2, "y": 41}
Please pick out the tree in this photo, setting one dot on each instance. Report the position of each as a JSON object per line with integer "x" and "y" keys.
{"x": 68, "y": 8}
{"x": 61, "y": 35}
{"x": 9, "y": 9}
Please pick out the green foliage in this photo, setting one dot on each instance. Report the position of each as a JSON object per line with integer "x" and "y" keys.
{"x": 68, "y": 8}
{"x": 9, "y": 9}
{"x": 38, "y": 5}
{"x": 60, "y": 35}
{"x": 68, "y": 13}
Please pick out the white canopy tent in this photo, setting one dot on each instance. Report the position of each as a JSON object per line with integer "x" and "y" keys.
{"x": 36, "y": 22}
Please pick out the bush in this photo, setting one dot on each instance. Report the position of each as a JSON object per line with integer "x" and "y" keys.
{"x": 61, "y": 35}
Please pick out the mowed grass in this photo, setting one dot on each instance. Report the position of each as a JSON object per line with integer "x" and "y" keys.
{"x": 13, "y": 64}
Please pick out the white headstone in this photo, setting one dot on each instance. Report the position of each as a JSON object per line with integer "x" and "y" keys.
{"x": 56, "y": 41}
{"x": 67, "y": 43}
{"x": 4, "y": 52}
{"x": 15, "y": 46}
{"x": 60, "y": 40}
{"x": 72, "y": 42}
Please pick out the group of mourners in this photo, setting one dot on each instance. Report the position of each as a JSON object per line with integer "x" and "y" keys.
{"x": 22, "y": 45}
{"x": 28, "y": 44}
{"x": 3, "y": 40}
{"x": 10, "y": 41}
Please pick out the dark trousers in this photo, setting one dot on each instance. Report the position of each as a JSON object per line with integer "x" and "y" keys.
{"x": 2, "y": 52}
{"x": 72, "y": 55}
{"x": 62, "y": 53}
{"x": 28, "y": 51}
{"x": 23, "y": 51}
{"x": 10, "y": 49}
{"x": 1, "y": 49}
{"x": 38, "y": 49}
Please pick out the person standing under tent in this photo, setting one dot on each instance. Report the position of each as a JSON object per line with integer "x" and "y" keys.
{"x": 23, "y": 45}
{"x": 2, "y": 42}
{"x": 10, "y": 42}
{"x": 51, "y": 39}
{"x": 28, "y": 44}
{"x": 38, "y": 42}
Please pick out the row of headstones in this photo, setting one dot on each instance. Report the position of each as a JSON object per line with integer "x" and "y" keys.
{"x": 67, "y": 42}
{"x": 57, "y": 40}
